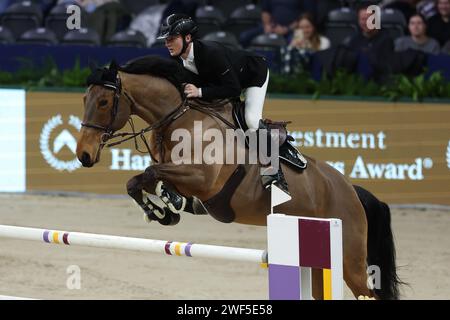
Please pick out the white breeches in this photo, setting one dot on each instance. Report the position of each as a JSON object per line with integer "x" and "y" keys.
{"x": 254, "y": 103}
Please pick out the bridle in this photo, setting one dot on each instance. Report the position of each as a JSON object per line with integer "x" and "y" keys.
{"x": 108, "y": 130}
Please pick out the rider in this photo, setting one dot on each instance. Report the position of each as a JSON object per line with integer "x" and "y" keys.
{"x": 216, "y": 71}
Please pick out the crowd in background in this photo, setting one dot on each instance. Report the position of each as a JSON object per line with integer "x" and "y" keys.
{"x": 295, "y": 28}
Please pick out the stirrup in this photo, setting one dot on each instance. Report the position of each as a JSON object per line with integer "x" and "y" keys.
{"x": 276, "y": 179}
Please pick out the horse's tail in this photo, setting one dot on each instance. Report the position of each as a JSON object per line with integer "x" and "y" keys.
{"x": 380, "y": 244}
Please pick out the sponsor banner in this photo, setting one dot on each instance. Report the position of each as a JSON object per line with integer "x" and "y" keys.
{"x": 53, "y": 124}
{"x": 399, "y": 151}
{"x": 12, "y": 140}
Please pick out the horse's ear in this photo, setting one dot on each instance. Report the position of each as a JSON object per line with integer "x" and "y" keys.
{"x": 113, "y": 66}
{"x": 93, "y": 65}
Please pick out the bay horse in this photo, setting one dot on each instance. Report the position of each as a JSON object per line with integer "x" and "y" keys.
{"x": 149, "y": 88}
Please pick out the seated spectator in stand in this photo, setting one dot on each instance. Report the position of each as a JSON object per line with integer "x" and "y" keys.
{"x": 407, "y": 7}
{"x": 418, "y": 39}
{"x": 370, "y": 39}
{"x": 46, "y": 5}
{"x": 446, "y": 48}
{"x": 306, "y": 38}
{"x": 278, "y": 16}
{"x": 439, "y": 25}
{"x": 376, "y": 44}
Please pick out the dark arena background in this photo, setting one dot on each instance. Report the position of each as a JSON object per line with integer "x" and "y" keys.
{"x": 373, "y": 104}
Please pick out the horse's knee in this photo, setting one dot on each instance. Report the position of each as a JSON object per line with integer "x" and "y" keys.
{"x": 149, "y": 173}
{"x": 132, "y": 186}
{"x": 149, "y": 178}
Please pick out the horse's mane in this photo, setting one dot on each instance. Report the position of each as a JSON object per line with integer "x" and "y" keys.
{"x": 156, "y": 66}
{"x": 151, "y": 65}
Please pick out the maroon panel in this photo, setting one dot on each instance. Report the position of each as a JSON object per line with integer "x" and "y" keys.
{"x": 314, "y": 237}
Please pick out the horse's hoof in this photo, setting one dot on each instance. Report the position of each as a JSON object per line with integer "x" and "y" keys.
{"x": 365, "y": 298}
{"x": 147, "y": 218}
{"x": 152, "y": 213}
{"x": 136, "y": 204}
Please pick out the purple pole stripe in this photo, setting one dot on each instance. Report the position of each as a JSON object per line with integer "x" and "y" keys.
{"x": 187, "y": 249}
{"x": 284, "y": 282}
{"x": 66, "y": 238}
{"x": 314, "y": 238}
{"x": 167, "y": 247}
{"x": 45, "y": 236}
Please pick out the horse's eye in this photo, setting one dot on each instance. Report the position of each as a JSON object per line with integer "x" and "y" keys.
{"x": 103, "y": 103}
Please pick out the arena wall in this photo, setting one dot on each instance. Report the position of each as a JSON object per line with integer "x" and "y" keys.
{"x": 399, "y": 151}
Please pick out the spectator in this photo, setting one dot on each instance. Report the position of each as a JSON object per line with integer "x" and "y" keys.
{"x": 446, "y": 48}
{"x": 370, "y": 39}
{"x": 374, "y": 43}
{"x": 46, "y": 5}
{"x": 439, "y": 25}
{"x": 418, "y": 40}
{"x": 306, "y": 37}
{"x": 278, "y": 16}
{"x": 407, "y": 7}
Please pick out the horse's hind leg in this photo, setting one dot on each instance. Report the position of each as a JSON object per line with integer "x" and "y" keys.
{"x": 317, "y": 284}
{"x": 355, "y": 265}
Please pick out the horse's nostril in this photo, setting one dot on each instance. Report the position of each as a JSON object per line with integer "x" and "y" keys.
{"x": 85, "y": 159}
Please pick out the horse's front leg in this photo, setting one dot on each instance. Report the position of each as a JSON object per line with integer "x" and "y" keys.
{"x": 181, "y": 187}
{"x": 152, "y": 211}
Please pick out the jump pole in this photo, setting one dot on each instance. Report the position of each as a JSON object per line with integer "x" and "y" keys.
{"x": 296, "y": 245}
{"x": 134, "y": 244}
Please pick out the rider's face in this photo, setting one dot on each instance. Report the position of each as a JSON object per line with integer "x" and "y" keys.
{"x": 174, "y": 44}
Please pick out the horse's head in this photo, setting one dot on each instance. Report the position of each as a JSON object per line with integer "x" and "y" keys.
{"x": 106, "y": 110}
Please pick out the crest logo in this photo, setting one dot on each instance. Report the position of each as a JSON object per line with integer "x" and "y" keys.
{"x": 52, "y": 145}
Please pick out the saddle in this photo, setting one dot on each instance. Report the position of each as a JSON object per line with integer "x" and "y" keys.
{"x": 289, "y": 154}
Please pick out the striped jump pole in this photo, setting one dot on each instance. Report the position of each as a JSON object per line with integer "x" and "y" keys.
{"x": 296, "y": 245}
{"x": 134, "y": 244}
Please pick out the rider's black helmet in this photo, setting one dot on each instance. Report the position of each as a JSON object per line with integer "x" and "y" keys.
{"x": 177, "y": 24}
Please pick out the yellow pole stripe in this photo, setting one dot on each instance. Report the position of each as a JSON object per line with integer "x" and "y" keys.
{"x": 327, "y": 294}
{"x": 178, "y": 249}
{"x": 55, "y": 237}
